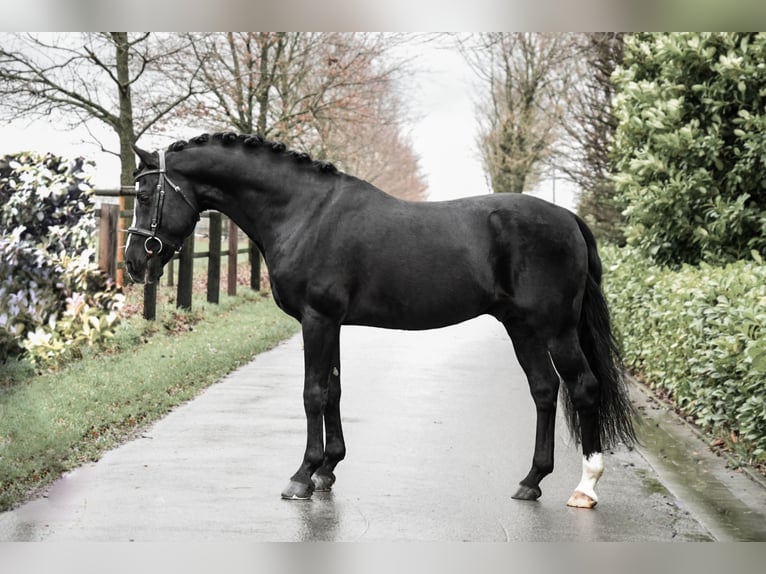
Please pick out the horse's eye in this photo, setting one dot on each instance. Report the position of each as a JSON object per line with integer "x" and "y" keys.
{"x": 142, "y": 197}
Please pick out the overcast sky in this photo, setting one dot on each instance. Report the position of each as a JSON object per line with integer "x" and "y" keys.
{"x": 442, "y": 94}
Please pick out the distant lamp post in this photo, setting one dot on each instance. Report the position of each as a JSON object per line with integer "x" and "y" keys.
{"x": 553, "y": 180}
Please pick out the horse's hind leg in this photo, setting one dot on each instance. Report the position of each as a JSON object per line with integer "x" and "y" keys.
{"x": 335, "y": 447}
{"x": 583, "y": 389}
{"x": 533, "y": 356}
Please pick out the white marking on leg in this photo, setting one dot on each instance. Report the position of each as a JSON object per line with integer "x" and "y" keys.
{"x": 554, "y": 367}
{"x": 592, "y": 469}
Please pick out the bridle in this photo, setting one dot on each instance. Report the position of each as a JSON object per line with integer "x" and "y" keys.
{"x": 152, "y": 234}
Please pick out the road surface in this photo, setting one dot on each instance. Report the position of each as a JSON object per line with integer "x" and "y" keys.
{"x": 439, "y": 428}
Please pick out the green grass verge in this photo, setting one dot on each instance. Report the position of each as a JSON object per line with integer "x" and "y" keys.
{"x": 56, "y": 421}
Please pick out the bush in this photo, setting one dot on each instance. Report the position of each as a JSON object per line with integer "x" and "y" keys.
{"x": 89, "y": 316}
{"x": 30, "y": 292}
{"x": 698, "y": 334}
{"x": 690, "y": 145}
{"x": 53, "y": 298}
{"x": 49, "y": 199}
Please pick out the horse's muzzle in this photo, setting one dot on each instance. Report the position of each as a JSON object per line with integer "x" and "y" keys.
{"x": 134, "y": 275}
{"x": 150, "y": 272}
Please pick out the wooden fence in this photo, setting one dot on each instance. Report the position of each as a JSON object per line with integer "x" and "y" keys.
{"x": 113, "y": 221}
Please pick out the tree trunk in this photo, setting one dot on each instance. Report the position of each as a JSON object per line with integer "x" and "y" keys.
{"x": 126, "y": 135}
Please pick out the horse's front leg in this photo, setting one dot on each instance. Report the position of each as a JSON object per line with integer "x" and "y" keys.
{"x": 335, "y": 446}
{"x": 320, "y": 340}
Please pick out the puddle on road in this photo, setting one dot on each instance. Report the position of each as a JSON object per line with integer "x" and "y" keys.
{"x": 651, "y": 484}
{"x": 688, "y": 475}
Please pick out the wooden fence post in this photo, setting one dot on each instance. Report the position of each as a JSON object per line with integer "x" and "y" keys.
{"x": 186, "y": 275}
{"x": 233, "y": 255}
{"x": 214, "y": 258}
{"x": 255, "y": 267}
{"x": 107, "y": 239}
{"x": 111, "y": 241}
{"x": 170, "y": 271}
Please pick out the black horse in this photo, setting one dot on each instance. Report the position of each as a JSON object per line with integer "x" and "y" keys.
{"x": 341, "y": 252}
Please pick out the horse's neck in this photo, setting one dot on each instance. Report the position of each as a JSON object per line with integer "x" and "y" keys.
{"x": 268, "y": 211}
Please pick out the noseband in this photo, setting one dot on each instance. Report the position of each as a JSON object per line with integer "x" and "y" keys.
{"x": 152, "y": 234}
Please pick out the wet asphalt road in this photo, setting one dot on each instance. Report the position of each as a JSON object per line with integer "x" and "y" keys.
{"x": 439, "y": 427}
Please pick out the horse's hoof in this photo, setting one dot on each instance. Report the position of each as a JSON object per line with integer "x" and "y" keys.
{"x": 298, "y": 491}
{"x": 323, "y": 482}
{"x": 581, "y": 500}
{"x": 527, "y": 493}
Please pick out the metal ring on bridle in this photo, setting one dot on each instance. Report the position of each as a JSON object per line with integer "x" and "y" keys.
{"x": 150, "y": 251}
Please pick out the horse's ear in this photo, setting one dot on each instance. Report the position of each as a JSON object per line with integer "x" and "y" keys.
{"x": 149, "y": 158}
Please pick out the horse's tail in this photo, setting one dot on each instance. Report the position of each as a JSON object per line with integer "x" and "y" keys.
{"x": 600, "y": 346}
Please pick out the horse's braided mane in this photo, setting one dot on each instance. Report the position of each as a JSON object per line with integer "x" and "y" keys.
{"x": 253, "y": 141}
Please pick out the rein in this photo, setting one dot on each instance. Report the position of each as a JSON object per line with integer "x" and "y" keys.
{"x": 152, "y": 234}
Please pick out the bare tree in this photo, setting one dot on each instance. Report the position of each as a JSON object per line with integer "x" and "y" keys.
{"x": 316, "y": 91}
{"x": 401, "y": 175}
{"x": 119, "y": 79}
{"x": 590, "y": 128}
{"x": 238, "y": 72}
{"x": 360, "y": 121}
{"x": 114, "y": 77}
{"x": 377, "y": 149}
{"x": 527, "y": 82}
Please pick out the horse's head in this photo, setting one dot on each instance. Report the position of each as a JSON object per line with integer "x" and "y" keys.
{"x": 165, "y": 213}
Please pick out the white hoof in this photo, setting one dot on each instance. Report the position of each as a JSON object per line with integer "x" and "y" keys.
{"x": 581, "y": 500}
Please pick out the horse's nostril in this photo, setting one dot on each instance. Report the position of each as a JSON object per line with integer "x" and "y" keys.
{"x": 131, "y": 269}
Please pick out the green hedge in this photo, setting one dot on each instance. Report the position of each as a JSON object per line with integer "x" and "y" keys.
{"x": 688, "y": 152}
{"x": 699, "y": 334}
{"x": 53, "y": 299}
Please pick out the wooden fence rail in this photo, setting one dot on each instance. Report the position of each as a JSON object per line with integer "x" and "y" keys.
{"x": 112, "y": 222}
